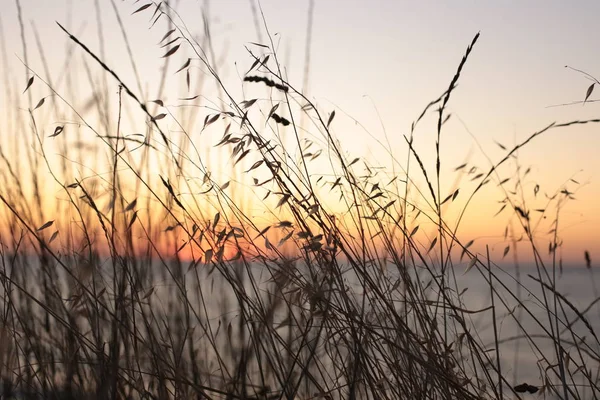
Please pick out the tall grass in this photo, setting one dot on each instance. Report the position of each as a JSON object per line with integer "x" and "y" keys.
{"x": 148, "y": 276}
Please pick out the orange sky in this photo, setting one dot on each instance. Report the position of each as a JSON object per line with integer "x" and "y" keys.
{"x": 376, "y": 63}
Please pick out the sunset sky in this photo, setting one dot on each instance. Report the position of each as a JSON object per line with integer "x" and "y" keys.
{"x": 379, "y": 63}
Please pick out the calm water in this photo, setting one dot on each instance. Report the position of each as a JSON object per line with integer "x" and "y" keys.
{"x": 520, "y": 358}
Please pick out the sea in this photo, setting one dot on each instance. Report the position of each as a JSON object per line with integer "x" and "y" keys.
{"x": 527, "y": 313}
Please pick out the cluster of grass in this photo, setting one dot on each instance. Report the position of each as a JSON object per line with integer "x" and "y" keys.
{"x": 146, "y": 277}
